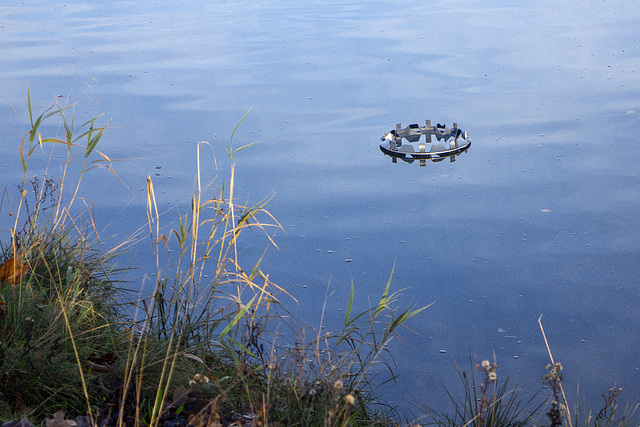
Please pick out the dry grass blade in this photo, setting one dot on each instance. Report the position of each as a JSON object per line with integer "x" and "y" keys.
{"x": 544, "y": 336}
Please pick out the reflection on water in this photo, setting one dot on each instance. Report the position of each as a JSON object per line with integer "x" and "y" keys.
{"x": 456, "y": 141}
{"x": 540, "y": 220}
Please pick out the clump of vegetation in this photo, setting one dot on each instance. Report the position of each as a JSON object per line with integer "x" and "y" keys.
{"x": 608, "y": 415}
{"x": 56, "y": 302}
{"x": 559, "y": 413}
{"x": 485, "y": 403}
{"x": 196, "y": 350}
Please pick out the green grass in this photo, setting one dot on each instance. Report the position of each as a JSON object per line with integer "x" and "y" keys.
{"x": 485, "y": 402}
{"x": 198, "y": 347}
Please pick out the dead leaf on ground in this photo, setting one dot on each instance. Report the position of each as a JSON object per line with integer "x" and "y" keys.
{"x": 12, "y": 270}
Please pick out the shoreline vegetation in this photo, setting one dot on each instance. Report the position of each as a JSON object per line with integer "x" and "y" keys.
{"x": 77, "y": 348}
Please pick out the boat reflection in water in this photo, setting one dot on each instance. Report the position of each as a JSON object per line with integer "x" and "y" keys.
{"x": 404, "y": 144}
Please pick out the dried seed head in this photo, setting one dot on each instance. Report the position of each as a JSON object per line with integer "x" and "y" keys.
{"x": 350, "y": 399}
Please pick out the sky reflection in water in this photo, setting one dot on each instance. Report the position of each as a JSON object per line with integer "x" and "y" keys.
{"x": 538, "y": 217}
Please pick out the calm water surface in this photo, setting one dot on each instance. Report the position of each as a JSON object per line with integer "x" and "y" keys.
{"x": 539, "y": 217}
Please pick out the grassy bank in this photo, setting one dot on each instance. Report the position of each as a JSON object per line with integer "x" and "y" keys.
{"x": 199, "y": 349}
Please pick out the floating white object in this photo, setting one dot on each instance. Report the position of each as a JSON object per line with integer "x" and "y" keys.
{"x": 399, "y": 143}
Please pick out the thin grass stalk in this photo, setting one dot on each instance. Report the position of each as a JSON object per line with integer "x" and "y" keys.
{"x": 77, "y": 355}
{"x": 68, "y": 135}
{"x": 232, "y": 185}
{"x": 564, "y": 397}
{"x": 129, "y": 374}
{"x": 92, "y": 141}
{"x": 163, "y": 386}
{"x": 193, "y": 261}
{"x": 141, "y": 344}
{"x": 196, "y": 206}
{"x": 181, "y": 310}
{"x": 209, "y": 245}
{"x": 154, "y": 218}
{"x": 141, "y": 349}
{"x": 139, "y": 382}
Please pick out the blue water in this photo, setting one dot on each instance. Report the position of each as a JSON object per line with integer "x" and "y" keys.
{"x": 539, "y": 217}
